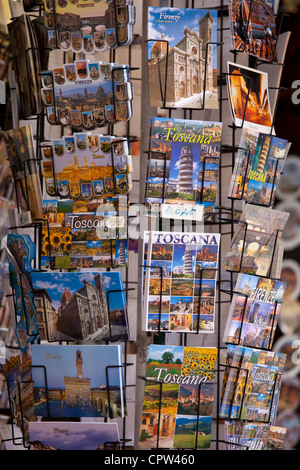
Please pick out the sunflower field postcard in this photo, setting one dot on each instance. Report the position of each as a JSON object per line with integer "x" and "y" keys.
{"x": 178, "y": 397}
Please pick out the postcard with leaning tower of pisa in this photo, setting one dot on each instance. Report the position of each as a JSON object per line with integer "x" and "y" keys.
{"x": 258, "y": 167}
{"x": 182, "y": 58}
{"x": 180, "y": 282}
{"x": 183, "y": 166}
{"x": 85, "y": 234}
{"x": 257, "y": 388}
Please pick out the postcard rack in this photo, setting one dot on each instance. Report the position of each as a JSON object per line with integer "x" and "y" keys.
{"x": 223, "y": 216}
{"x": 40, "y": 226}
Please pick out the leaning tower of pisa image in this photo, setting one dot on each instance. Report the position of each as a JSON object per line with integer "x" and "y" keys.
{"x": 186, "y": 170}
{"x": 188, "y": 261}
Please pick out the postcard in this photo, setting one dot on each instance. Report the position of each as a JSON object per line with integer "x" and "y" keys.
{"x": 17, "y": 373}
{"x": 85, "y": 234}
{"x": 180, "y": 282}
{"x": 253, "y": 315}
{"x": 23, "y": 249}
{"x": 253, "y": 436}
{"x": 174, "y": 38}
{"x": 253, "y": 26}
{"x": 232, "y": 435}
{"x": 69, "y": 381}
{"x": 258, "y": 166}
{"x": 24, "y": 166}
{"x": 234, "y": 357}
{"x": 257, "y": 235}
{"x": 26, "y": 64}
{"x": 179, "y": 389}
{"x": 87, "y": 306}
{"x": 73, "y": 436}
{"x": 276, "y": 438}
{"x": 183, "y": 166}
{"x": 26, "y": 323}
{"x": 257, "y": 388}
{"x": 249, "y": 98}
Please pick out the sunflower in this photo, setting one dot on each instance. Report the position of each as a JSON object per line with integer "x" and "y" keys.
{"x": 48, "y": 248}
{"x": 55, "y": 240}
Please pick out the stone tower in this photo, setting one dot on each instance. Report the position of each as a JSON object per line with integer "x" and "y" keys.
{"x": 79, "y": 364}
{"x": 206, "y": 34}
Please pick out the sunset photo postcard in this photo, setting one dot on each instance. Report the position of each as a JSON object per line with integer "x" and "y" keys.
{"x": 249, "y": 97}
{"x": 71, "y": 382}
